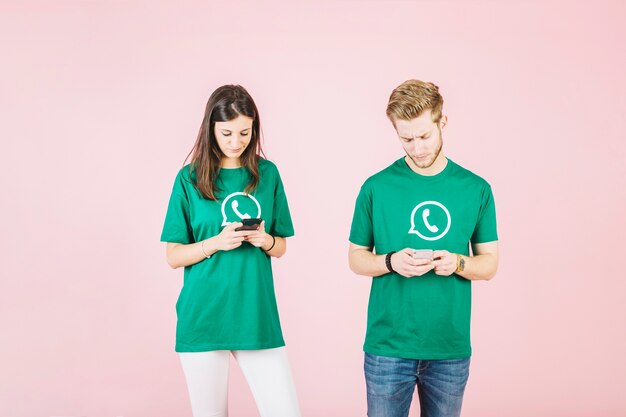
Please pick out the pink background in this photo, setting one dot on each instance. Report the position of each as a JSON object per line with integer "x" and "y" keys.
{"x": 101, "y": 102}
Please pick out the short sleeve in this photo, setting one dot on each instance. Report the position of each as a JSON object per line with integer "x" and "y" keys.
{"x": 362, "y": 230}
{"x": 177, "y": 226}
{"x": 486, "y": 229}
{"x": 281, "y": 225}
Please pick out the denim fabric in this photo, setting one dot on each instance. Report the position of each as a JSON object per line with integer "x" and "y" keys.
{"x": 391, "y": 382}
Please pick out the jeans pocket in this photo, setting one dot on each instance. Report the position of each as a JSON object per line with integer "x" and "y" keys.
{"x": 388, "y": 378}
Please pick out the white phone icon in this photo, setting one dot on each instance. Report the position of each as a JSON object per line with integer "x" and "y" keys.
{"x": 234, "y": 206}
{"x": 432, "y": 228}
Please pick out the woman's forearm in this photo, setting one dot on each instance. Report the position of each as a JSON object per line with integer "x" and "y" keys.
{"x": 279, "y": 249}
{"x": 179, "y": 254}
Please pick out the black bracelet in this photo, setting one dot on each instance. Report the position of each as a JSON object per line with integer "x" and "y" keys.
{"x": 273, "y": 243}
{"x": 388, "y": 261}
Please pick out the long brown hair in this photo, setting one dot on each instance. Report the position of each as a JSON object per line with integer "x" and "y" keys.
{"x": 225, "y": 104}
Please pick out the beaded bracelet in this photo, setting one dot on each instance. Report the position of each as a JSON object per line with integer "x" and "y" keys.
{"x": 388, "y": 261}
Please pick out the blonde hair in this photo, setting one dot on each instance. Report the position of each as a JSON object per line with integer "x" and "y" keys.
{"x": 412, "y": 98}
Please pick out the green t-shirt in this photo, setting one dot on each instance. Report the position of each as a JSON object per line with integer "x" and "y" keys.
{"x": 425, "y": 317}
{"x": 227, "y": 301}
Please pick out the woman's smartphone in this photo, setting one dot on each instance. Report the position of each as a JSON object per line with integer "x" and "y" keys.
{"x": 423, "y": 254}
{"x": 249, "y": 224}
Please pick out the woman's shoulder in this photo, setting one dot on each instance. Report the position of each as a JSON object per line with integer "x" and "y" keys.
{"x": 267, "y": 166}
{"x": 184, "y": 176}
{"x": 184, "y": 173}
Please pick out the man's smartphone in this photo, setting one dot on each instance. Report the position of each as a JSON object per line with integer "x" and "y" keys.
{"x": 249, "y": 224}
{"x": 423, "y": 254}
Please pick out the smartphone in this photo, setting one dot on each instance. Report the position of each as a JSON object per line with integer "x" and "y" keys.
{"x": 423, "y": 254}
{"x": 249, "y": 224}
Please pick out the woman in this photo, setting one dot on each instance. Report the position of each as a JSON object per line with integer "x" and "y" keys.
{"x": 227, "y": 303}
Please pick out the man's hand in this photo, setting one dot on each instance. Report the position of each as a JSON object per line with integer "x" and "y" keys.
{"x": 403, "y": 263}
{"x": 444, "y": 262}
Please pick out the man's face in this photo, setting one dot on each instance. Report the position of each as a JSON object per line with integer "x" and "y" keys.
{"x": 421, "y": 138}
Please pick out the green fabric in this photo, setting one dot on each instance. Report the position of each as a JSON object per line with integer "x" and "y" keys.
{"x": 425, "y": 317}
{"x": 227, "y": 301}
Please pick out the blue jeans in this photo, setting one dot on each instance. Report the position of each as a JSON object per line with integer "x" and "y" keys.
{"x": 391, "y": 382}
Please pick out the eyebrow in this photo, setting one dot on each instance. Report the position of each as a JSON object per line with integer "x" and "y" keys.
{"x": 228, "y": 130}
{"x": 418, "y": 136}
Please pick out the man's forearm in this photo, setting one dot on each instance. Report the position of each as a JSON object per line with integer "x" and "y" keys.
{"x": 479, "y": 267}
{"x": 364, "y": 262}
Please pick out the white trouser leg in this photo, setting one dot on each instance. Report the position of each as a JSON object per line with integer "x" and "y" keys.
{"x": 269, "y": 376}
{"x": 207, "y": 381}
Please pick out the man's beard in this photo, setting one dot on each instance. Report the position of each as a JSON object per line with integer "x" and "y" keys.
{"x": 430, "y": 162}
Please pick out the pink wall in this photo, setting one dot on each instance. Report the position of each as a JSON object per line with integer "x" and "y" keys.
{"x": 101, "y": 102}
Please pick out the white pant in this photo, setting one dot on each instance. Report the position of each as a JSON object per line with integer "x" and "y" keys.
{"x": 267, "y": 372}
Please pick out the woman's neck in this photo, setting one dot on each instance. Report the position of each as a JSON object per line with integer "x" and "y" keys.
{"x": 230, "y": 163}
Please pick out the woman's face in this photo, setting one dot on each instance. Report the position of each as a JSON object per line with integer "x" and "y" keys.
{"x": 234, "y": 136}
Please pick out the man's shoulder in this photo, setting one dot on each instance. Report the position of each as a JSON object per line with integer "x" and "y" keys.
{"x": 383, "y": 176}
{"x": 463, "y": 174}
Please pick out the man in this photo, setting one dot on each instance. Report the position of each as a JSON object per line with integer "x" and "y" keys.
{"x": 418, "y": 326}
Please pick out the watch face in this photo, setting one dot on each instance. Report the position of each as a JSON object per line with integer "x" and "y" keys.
{"x": 462, "y": 264}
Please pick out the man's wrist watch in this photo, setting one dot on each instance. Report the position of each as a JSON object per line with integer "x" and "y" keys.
{"x": 460, "y": 263}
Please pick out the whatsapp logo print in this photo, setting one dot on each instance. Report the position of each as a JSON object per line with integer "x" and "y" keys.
{"x": 238, "y": 206}
{"x": 430, "y": 220}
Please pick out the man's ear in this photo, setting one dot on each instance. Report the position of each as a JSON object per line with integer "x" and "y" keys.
{"x": 443, "y": 121}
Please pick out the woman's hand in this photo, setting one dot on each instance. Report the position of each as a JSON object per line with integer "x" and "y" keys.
{"x": 229, "y": 239}
{"x": 259, "y": 238}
